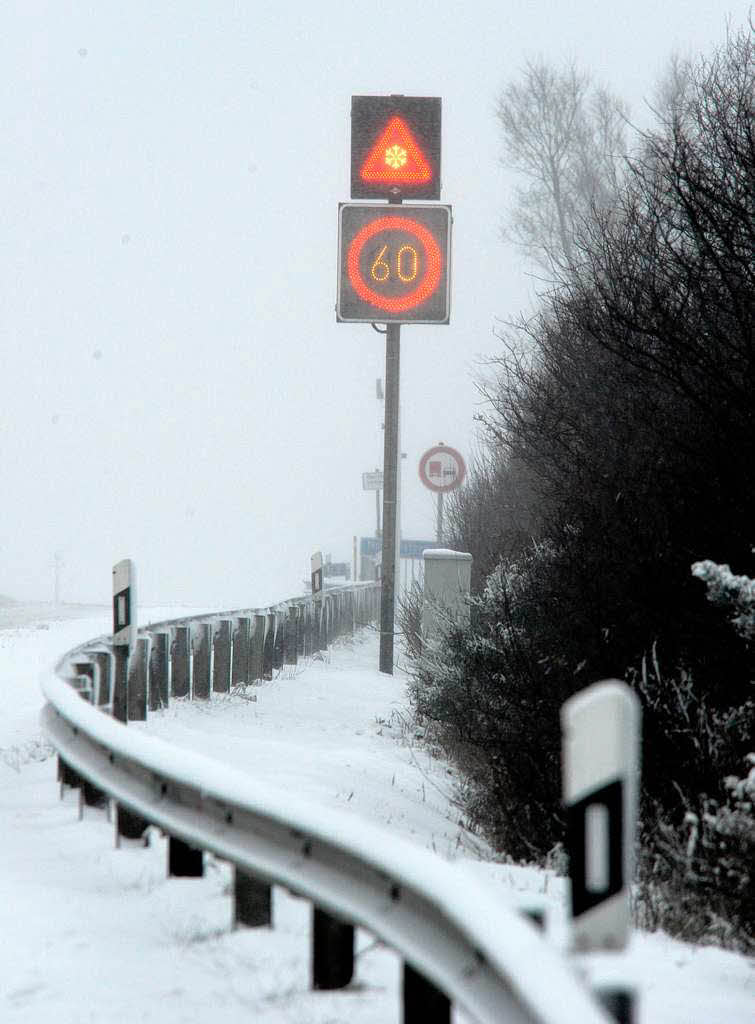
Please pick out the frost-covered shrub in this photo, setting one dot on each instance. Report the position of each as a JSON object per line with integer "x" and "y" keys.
{"x": 697, "y": 876}
{"x": 734, "y": 593}
{"x": 688, "y": 743}
{"x": 493, "y": 697}
{"x": 697, "y": 853}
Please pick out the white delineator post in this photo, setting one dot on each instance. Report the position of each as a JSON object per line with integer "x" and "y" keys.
{"x": 124, "y": 603}
{"x": 447, "y": 581}
{"x": 601, "y": 769}
{"x": 124, "y": 632}
{"x": 127, "y": 824}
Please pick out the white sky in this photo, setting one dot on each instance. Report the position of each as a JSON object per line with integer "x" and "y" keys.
{"x": 174, "y": 386}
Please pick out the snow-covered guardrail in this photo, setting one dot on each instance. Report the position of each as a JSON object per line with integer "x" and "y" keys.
{"x": 459, "y": 945}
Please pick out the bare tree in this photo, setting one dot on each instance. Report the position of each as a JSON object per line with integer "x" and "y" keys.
{"x": 565, "y": 136}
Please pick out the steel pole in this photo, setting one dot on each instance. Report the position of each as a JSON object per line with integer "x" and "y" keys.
{"x": 390, "y": 492}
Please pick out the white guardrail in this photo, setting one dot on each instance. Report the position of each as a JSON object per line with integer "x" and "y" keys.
{"x": 452, "y": 933}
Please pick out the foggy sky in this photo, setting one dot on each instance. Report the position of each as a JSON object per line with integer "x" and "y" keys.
{"x": 174, "y": 386}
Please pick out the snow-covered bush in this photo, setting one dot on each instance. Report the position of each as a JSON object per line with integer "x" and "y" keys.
{"x": 697, "y": 863}
{"x": 734, "y": 593}
{"x": 697, "y": 876}
{"x": 492, "y": 696}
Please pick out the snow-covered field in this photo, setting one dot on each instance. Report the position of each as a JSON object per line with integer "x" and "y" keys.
{"x": 90, "y": 933}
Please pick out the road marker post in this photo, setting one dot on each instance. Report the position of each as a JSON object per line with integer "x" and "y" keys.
{"x": 601, "y": 770}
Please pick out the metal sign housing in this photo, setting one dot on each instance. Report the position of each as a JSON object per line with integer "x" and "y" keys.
{"x": 395, "y": 147}
{"x": 394, "y": 264}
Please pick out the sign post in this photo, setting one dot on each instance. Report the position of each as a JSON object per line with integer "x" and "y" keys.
{"x": 393, "y": 268}
{"x": 441, "y": 469}
{"x": 374, "y": 482}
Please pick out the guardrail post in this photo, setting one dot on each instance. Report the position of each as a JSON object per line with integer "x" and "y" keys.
{"x": 221, "y": 665}
{"x": 136, "y": 690}
{"x": 86, "y": 671}
{"x": 240, "y": 653}
{"x": 279, "y": 640}
{"x": 85, "y": 683}
{"x": 292, "y": 636}
{"x": 318, "y": 612}
{"x": 332, "y": 951}
{"x": 120, "y": 683}
{"x": 67, "y": 776}
{"x": 129, "y": 825}
{"x": 181, "y": 661}
{"x": 184, "y": 861}
{"x": 159, "y": 671}
{"x": 307, "y": 629}
{"x": 257, "y": 649}
{"x": 267, "y": 650}
{"x": 619, "y": 1001}
{"x": 103, "y": 661}
{"x": 423, "y": 1003}
{"x": 252, "y": 901}
{"x": 202, "y": 661}
{"x": 300, "y": 629}
{"x": 324, "y": 621}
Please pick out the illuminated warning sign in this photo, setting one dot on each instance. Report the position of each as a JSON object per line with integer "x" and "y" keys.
{"x": 393, "y": 264}
{"x": 395, "y": 147}
{"x": 396, "y": 159}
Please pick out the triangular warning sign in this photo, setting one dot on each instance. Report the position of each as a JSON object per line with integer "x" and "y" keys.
{"x": 396, "y": 158}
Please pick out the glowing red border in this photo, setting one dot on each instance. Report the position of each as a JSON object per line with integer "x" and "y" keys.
{"x": 374, "y": 168}
{"x": 437, "y": 450}
{"x": 428, "y": 284}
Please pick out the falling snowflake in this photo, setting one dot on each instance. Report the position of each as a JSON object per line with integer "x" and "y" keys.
{"x": 395, "y": 157}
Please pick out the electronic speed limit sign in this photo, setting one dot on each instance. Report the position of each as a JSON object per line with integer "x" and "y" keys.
{"x": 442, "y": 469}
{"x": 393, "y": 263}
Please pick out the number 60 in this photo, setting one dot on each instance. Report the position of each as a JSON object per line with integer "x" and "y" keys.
{"x": 407, "y": 265}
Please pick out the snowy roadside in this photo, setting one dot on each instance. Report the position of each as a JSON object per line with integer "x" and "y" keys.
{"x": 95, "y": 934}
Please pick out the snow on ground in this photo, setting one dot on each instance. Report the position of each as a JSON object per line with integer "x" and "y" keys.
{"x": 91, "y": 933}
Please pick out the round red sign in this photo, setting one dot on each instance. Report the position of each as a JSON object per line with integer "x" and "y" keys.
{"x": 394, "y": 263}
{"x": 442, "y": 468}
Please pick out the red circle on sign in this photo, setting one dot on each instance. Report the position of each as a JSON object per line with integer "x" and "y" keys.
{"x": 441, "y": 449}
{"x": 429, "y": 282}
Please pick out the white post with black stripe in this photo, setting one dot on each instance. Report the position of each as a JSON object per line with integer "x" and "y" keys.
{"x": 124, "y": 603}
{"x": 319, "y": 599}
{"x": 601, "y": 769}
{"x": 128, "y": 825}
